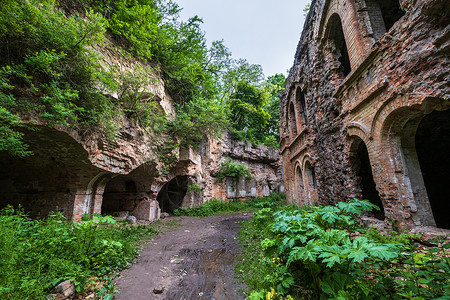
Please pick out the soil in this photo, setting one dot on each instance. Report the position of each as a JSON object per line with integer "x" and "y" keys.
{"x": 193, "y": 258}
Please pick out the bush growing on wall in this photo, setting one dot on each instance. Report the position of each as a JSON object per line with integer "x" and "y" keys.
{"x": 229, "y": 169}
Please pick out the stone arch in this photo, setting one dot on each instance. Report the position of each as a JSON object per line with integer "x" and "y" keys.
{"x": 360, "y": 130}
{"x": 407, "y": 135}
{"x": 300, "y": 99}
{"x": 94, "y": 193}
{"x": 310, "y": 181}
{"x": 338, "y": 45}
{"x": 54, "y": 178}
{"x": 171, "y": 195}
{"x": 358, "y": 44}
{"x": 362, "y": 168}
{"x": 299, "y": 184}
{"x": 393, "y": 112}
{"x": 131, "y": 194}
{"x": 292, "y": 120}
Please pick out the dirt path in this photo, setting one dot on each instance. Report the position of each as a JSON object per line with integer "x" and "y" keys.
{"x": 192, "y": 259}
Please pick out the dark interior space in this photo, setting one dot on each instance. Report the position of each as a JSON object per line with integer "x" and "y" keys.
{"x": 433, "y": 151}
{"x": 336, "y": 35}
{"x": 47, "y": 180}
{"x": 391, "y": 11}
{"x": 367, "y": 184}
{"x": 301, "y": 190}
{"x": 170, "y": 197}
{"x": 120, "y": 195}
{"x": 311, "y": 174}
{"x": 292, "y": 121}
{"x": 301, "y": 101}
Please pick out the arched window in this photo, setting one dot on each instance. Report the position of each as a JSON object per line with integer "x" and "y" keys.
{"x": 383, "y": 14}
{"x": 300, "y": 97}
{"x": 292, "y": 121}
{"x": 339, "y": 47}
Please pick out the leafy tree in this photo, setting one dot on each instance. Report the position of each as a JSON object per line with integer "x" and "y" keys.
{"x": 38, "y": 46}
{"x": 246, "y": 111}
{"x": 196, "y": 119}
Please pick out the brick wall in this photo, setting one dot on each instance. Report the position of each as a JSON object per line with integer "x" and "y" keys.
{"x": 397, "y": 77}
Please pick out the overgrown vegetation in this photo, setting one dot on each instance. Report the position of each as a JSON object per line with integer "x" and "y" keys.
{"x": 321, "y": 252}
{"x": 38, "y": 47}
{"x": 230, "y": 169}
{"x": 49, "y": 69}
{"x": 214, "y": 206}
{"x": 194, "y": 188}
{"x": 39, "y": 254}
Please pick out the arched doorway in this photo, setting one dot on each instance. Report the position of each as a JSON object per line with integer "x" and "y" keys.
{"x": 120, "y": 196}
{"x": 363, "y": 171}
{"x": 432, "y": 142}
{"x": 311, "y": 182}
{"x": 171, "y": 195}
{"x": 299, "y": 184}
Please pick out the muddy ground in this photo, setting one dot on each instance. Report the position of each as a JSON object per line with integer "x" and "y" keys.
{"x": 192, "y": 259}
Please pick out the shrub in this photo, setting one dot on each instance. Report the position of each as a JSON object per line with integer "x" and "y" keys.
{"x": 229, "y": 169}
{"x": 194, "y": 188}
{"x": 318, "y": 252}
{"x": 39, "y": 254}
{"x": 214, "y": 206}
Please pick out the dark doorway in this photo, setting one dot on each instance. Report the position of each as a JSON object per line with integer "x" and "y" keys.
{"x": 363, "y": 170}
{"x": 292, "y": 121}
{"x": 433, "y": 151}
{"x": 301, "y": 190}
{"x": 120, "y": 197}
{"x": 171, "y": 196}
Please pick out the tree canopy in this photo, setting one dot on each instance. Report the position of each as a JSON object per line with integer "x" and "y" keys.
{"x": 41, "y": 39}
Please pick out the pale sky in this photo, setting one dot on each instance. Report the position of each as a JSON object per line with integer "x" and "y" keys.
{"x": 264, "y": 32}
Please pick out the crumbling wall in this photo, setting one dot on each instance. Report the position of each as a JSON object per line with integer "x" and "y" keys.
{"x": 71, "y": 167}
{"x": 398, "y": 75}
{"x": 263, "y": 162}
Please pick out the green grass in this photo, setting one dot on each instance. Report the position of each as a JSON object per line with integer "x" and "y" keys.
{"x": 39, "y": 254}
{"x": 215, "y": 207}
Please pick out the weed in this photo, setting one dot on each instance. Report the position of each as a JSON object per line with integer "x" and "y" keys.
{"x": 318, "y": 252}
{"x": 214, "y": 206}
{"x": 39, "y": 254}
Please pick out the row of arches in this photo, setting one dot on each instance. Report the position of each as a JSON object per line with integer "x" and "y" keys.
{"x": 413, "y": 166}
{"x": 382, "y": 15}
{"x": 418, "y": 145}
{"x": 59, "y": 177}
{"x": 297, "y": 113}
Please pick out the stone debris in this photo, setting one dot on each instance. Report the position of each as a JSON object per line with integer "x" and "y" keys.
{"x": 65, "y": 288}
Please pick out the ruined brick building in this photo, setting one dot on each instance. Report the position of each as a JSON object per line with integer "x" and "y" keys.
{"x": 366, "y": 110}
